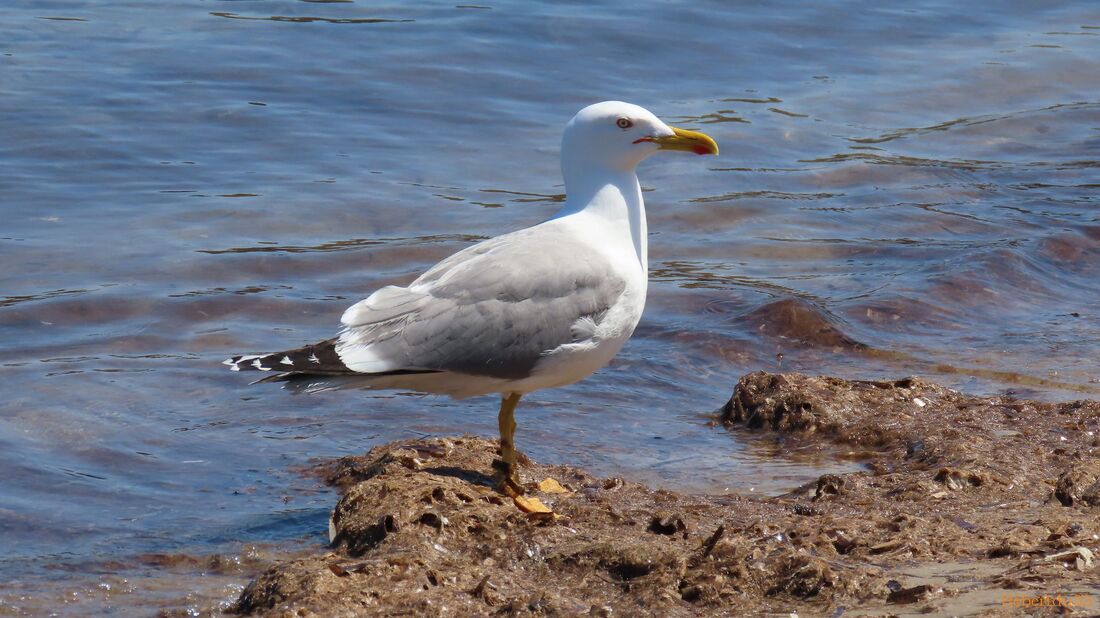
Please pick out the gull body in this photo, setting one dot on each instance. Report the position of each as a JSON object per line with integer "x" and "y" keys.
{"x": 537, "y": 308}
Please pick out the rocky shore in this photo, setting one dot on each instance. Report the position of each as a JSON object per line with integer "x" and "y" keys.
{"x": 967, "y": 505}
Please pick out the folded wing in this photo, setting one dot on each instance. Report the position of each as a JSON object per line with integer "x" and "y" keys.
{"x": 493, "y": 309}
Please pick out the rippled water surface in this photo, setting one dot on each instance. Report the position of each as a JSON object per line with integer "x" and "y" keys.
{"x": 900, "y": 191}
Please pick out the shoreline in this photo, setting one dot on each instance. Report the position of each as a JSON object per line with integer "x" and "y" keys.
{"x": 967, "y": 505}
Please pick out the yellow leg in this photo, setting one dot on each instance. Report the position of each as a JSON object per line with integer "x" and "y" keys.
{"x": 507, "y": 476}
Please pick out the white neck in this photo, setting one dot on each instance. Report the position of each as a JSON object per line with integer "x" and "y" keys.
{"x": 614, "y": 196}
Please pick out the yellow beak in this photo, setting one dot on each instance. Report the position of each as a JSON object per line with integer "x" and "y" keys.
{"x": 690, "y": 141}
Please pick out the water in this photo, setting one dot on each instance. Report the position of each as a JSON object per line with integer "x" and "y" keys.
{"x": 188, "y": 180}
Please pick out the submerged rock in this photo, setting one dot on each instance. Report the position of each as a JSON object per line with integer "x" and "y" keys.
{"x": 803, "y": 322}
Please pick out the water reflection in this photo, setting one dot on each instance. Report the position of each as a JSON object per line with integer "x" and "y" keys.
{"x": 775, "y": 195}
{"x": 230, "y": 187}
{"x": 307, "y": 19}
{"x": 346, "y": 245}
{"x": 13, "y": 300}
{"x": 905, "y": 161}
{"x": 722, "y": 115}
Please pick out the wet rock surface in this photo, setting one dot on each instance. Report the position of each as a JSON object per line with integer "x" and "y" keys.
{"x": 802, "y": 322}
{"x": 964, "y": 500}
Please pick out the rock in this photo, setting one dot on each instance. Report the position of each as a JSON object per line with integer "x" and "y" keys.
{"x": 1079, "y": 485}
{"x": 922, "y": 592}
{"x": 958, "y": 483}
{"x": 667, "y": 524}
{"x": 803, "y": 576}
{"x": 828, "y": 485}
{"x": 801, "y": 322}
{"x": 793, "y": 403}
{"x": 959, "y": 479}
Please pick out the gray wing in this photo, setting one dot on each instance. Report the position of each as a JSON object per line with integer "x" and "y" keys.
{"x": 492, "y": 309}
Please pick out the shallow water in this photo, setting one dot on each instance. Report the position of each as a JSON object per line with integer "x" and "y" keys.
{"x": 184, "y": 181}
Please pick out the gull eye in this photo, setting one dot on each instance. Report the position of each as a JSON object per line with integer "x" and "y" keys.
{"x": 624, "y": 123}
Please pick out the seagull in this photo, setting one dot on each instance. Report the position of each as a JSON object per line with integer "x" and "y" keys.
{"x": 536, "y": 308}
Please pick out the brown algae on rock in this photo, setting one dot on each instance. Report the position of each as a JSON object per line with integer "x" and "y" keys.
{"x": 965, "y": 501}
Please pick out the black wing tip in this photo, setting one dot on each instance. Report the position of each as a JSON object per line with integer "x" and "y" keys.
{"x": 246, "y": 362}
{"x": 311, "y": 361}
{"x": 319, "y": 358}
{"x": 255, "y": 362}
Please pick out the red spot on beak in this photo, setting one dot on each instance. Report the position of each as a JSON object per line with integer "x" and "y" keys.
{"x": 701, "y": 150}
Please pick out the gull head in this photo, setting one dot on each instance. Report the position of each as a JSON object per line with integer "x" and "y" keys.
{"x": 619, "y": 136}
